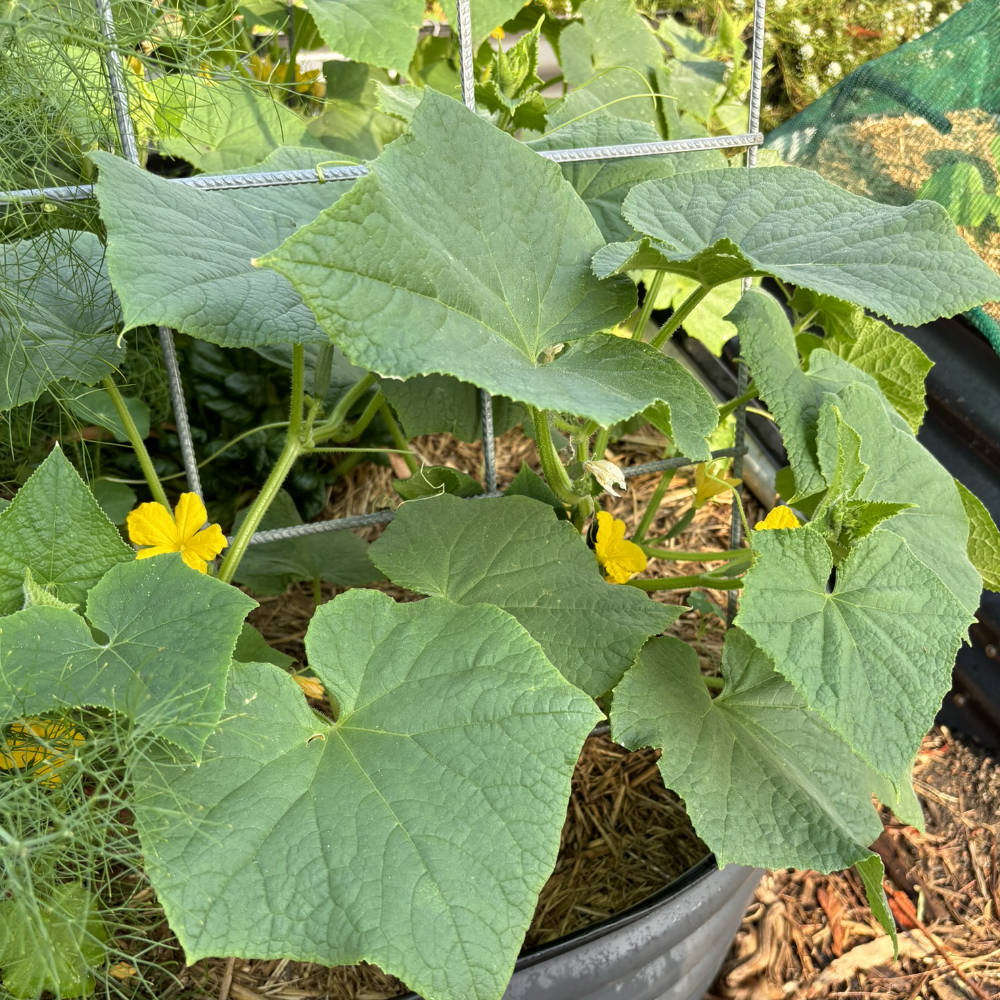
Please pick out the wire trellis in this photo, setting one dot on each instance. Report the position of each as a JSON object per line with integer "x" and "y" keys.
{"x": 749, "y": 141}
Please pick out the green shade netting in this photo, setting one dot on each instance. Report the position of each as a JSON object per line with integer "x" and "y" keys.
{"x": 922, "y": 121}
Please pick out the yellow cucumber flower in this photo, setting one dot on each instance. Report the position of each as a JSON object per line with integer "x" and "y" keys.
{"x": 620, "y": 558}
{"x": 780, "y": 517}
{"x": 312, "y": 687}
{"x": 41, "y": 746}
{"x": 184, "y": 532}
{"x": 708, "y": 485}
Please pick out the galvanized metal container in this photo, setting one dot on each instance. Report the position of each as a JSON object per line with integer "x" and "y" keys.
{"x": 668, "y": 947}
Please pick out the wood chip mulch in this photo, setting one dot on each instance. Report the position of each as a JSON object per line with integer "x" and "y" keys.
{"x": 812, "y": 936}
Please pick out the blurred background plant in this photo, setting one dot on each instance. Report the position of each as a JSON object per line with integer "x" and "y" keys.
{"x": 812, "y": 44}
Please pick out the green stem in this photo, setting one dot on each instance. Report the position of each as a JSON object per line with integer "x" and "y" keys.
{"x": 713, "y": 683}
{"x": 680, "y": 314}
{"x": 679, "y": 556}
{"x": 298, "y": 393}
{"x": 681, "y": 524}
{"x": 138, "y": 445}
{"x": 804, "y": 321}
{"x": 653, "y": 506}
{"x": 317, "y": 587}
{"x": 292, "y": 449}
{"x": 335, "y": 421}
{"x": 321, "y": 370}
{"x": 652, "y": 291}
{"x": 555, "y": 472}
{"x": 345, "y": 465}
{"x": 601, "y": 443}
{"x": 355, "y": 430}
{"x": 398, "y": 437}
{"x": 734, "y": 404}
{"x": 688, "y": 583}
{"x": 234, "y": 555}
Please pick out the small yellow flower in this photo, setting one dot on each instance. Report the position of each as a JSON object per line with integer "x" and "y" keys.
{"x": 620, "y": 558}
{"x": 497, "y": 33}
{"x": 267, "y": 71}
{"x": 707, "y": 485}
{"x": 311, "y": 686}
{"x": 41, "y": 746}
{"x": 780, "y": 517}
{"x": 185, "y": 532}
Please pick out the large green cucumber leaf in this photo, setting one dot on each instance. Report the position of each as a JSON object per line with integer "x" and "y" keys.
{"x": 170, "y": 637}
{"x": 182, "y": 257}
{"x": 873, "y": 655}
{"x": 984, "y": 539}
{"x": 339, "y": 557}
{"x": 425, "y": 820}
{"x": 892, "y": 359}
{"x": 484, "y": 291}
{"x": 900, "y": 470}
{"x": 513, "y": 552}
{"x": 906, "y": 263}
{"x": 222, "y": 125}
{"x": 766, "y": 781}
{"x": 55, "y": 529}
{"x": 57, "y": 315}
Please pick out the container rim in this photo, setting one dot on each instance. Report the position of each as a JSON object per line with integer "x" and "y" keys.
{"x": 543, "y": 952}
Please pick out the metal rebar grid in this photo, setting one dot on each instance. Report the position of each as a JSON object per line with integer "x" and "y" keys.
{"x": 119, "y": 97}
{"x": 320, "y": 175}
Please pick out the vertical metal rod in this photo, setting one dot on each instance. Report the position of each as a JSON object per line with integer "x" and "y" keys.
{"x": 130, "y": 149}
{"x": 463, "y": 24}
{"x": 466, "y": 70}
{"x": 179, "y": 405}
{"x": 742, "y": 376}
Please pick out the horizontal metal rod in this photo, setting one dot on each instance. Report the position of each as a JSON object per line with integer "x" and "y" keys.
{"x": 384, "y": 516}
{"x": 284, "y": 178}
{"x": 677, "y": 463}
